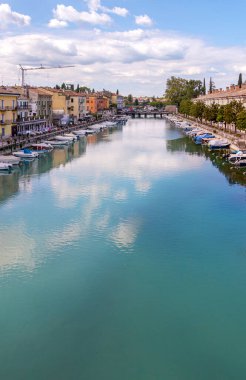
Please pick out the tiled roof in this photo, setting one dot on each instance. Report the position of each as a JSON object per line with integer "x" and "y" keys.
{"x": 8, "y": 91}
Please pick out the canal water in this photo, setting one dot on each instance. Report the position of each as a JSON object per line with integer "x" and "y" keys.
{"x": 123, "y": 258}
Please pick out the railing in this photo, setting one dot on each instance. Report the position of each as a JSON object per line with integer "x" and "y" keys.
{"x": 24, "y": 107}
{"x": 8, "y": 108}
{"x": 6, "y": 122}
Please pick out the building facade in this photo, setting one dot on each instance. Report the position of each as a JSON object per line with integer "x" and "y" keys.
{"x": 223, "y": 97}
{"x": 8, "y": 111}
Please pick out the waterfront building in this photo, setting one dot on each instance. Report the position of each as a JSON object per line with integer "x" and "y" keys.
{"x": 223, "y": 97}
{"x": 102, "y": 103}
{"x": 91, "y": 103}
{"x": 76, "y": 105}
{"x": 58, "y": 105}
{"x": 118, "y": 100}
{"x": 8, "y": 110}
{"x": 97, "y": 103}
{"x": 33, "y": 110}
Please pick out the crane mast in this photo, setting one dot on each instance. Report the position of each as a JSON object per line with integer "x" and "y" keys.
{"x": 41, "y": 67}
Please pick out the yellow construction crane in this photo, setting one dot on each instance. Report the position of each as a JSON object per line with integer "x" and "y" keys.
{"x": 41, "y": 67}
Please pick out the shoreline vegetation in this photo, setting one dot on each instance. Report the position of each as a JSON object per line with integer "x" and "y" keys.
{"x": 191, "y": 96}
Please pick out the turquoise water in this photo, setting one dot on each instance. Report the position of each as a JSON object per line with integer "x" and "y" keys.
{"x": 123, "y": 258}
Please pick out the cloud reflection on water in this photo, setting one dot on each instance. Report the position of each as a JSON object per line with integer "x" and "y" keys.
{"x": 94, "y": 185}
{"x": 17, "y": 248}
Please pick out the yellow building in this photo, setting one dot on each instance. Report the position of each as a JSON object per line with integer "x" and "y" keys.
{"x": 58, "y": 104}
{"x": 8, "y": 111}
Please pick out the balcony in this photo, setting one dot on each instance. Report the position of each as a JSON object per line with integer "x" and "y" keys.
{"x": 6, "y": 122}
{"x": 8, "y": 108}
{"x": 24, "y": 107}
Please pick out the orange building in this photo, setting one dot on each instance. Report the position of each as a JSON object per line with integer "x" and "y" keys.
{"x": 102, "y": 103}
{"x": 91, "y": 103}
{"x": 95, "y": 103}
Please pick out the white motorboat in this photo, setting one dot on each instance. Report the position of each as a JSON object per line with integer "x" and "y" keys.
{"x": 57, "y": 143}
{"x": 85, "y": 132}
{"x": 10, "y": 160}
{"x": 25, "y": 153}
{"x": 110, "y": 123}
{"x": 89, "y": 131}
{"x": 41, "y": 148}
{"x": 5, "y": 167}
{"x": 218, "y": 144}
{"x": 240, "y": 155}
{"x": 194, "y": 132}
{"x": 64, "y": 138}
{"x": 70, "y": 136}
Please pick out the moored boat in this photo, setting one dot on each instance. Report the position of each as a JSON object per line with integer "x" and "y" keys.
{"x": 41, "y": 148}
{"x": 25, "y": 153}
{"x": 64, "y": 138}
{"x": 57, "y": 143}
{"x": 10, "y": 160}
{"x": 5, "y": 167}
{"x": 198, "y": 139}
{"x": 218, "y": 144}
{"x": 240, "y": 155}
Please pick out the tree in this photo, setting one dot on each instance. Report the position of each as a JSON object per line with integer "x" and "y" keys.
{"x": 77, "y": 89}
{"x": 220, "y": 115}
{"x": 204, "y": 87}
{"x": 231, "y": 112}
{"x": 193, "y": 88}
{"x": 156, "y": 104}
{"x": 130, "y": 99}
{"x": 57, "y": 87}
{"x": 210, "y": 113}
{"x": 175, "y": 90}
{"x": 185, "y": 107}
{"x": 178, "y": 89}
{"x": 241, "y": 120}
{"x": 117, "y": 92}
{"x": 63, "y": 86}
{"x": 211, "y": 85}
{"x": 136, "y": 102}
{"x": 240, "y": 80}
{"x": 85, "y": 89}
{"x": 197, "y": 110}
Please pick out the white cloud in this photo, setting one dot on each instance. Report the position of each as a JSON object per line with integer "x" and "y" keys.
{"x": 97, "y": 15}
{"x": 134, "y": 60}
{"x": 95, "y": 5}
{"x": 69, "y": 14}
{"x": 144, "y": 20}
{"x": 8, "y": 17}
{"x": 120, "y": 11}
{"x": 54, "y": 23}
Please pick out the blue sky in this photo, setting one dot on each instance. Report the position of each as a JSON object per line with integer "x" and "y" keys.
{"x": 130, "y": 45}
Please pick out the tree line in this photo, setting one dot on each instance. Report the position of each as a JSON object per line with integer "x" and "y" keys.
{"x": 182, "y": 92}
{"x": 231, "y": 113}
